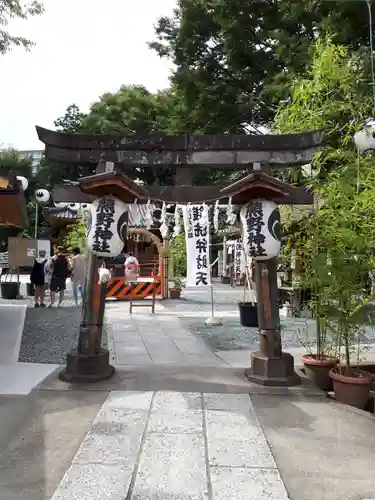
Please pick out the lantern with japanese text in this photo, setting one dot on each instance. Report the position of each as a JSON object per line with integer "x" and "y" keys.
{"x": 107, "y": 223}
{"x": 261, "y": 229}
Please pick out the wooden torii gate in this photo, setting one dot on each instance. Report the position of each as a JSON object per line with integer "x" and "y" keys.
{"x": 182, "y": 157}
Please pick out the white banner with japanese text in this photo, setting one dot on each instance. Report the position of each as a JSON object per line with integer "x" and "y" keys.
{"x": 197, "y": 234}
{"x": 239, "y": 259}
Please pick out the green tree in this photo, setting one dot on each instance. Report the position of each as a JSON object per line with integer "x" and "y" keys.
{"x": 13, "y": 9}
{"x": 131, "y": 110}
{"x": 77, "y": 236}
{"x": 72, "y": 121}
{"x": 337, "y": 240}
{"x": 235, "y": 59}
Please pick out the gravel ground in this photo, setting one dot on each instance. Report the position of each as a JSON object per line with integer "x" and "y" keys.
{"x": 50, "y": 333}
{"x": 231, "y": 336}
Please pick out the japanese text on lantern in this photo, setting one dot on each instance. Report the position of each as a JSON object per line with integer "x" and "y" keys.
{"x": 255, "y": 238}
{"x": 105, "y": 216}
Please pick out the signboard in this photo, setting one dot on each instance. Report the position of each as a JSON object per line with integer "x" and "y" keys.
{"x": 197, "y": 234}
{"x": 22, "y": 252}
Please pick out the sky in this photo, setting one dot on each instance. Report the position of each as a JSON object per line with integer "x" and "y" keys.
{"x": 83, "y": 49}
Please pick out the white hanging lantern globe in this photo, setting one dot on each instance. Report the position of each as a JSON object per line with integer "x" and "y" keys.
{"x": 365, "y": 139}
{"x": 24, "y": 182}
{"x": 42, "y": 195}
{"x": 61, "y": 204}
{"x": 261, "y": 229}
{"x": 106, "y": 228}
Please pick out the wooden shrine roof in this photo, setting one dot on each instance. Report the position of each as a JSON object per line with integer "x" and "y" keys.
{"x": 13, "y": 212}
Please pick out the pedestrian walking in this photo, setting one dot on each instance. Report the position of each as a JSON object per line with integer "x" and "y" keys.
{"x": 78, "y": 275}
{"x": 37, "y": 278}
{"x": 60, "y": 272}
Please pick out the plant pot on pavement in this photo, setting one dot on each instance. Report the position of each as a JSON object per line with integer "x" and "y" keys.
{"x": 248, "y": 314}
{"x": 10, "y": 289}
{"x": 175, "y": 293}
{"x": 352, "y": 389}
{"x": 30, "y": 289}
{"x": 317, "y": 370}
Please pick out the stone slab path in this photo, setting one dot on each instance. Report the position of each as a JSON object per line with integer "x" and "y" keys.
{"x": 145, "y": 338}
{"x": 172, "y": 446}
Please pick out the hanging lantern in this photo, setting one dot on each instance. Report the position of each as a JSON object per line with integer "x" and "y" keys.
{"x": 107, "y": 222}
{"x": 24, "y": 182}
{"x": 261, "y": 229}
{"x": 365, "y": 139}
{"x": 42, "y": 195}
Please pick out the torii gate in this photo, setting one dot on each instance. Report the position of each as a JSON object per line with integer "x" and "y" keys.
{"x": 184, "y": 155}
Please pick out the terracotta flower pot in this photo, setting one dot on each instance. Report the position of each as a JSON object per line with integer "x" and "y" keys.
{"x": 352, "y": 389}
{"x": 317, "y": 370}
{"x": 174, "y": 293}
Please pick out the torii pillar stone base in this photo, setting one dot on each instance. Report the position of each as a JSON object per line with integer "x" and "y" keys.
{"x": 270, "y": 366}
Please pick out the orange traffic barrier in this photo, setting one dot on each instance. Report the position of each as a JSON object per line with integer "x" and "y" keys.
{"x": 119, "y": 289}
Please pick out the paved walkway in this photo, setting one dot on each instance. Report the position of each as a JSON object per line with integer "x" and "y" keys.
{"x": 91, "y": 444}
{"x": 173, "y": 446}
{"x": 179, "y": 421}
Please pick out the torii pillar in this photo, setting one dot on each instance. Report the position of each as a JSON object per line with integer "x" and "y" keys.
{"x": 269, "y": 366}
{"x": 90, "y": 361}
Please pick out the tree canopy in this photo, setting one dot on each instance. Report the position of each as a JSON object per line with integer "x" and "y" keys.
{"x": 235, "y": 58}
{"x": 13, "y": 9}
{"x": 131, "y": 110}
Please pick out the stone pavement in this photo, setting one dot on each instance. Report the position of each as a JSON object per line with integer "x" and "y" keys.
{"x": 173, "y": 446}
{"x": 74, "y": 443}
{"x": 179, "y": 421}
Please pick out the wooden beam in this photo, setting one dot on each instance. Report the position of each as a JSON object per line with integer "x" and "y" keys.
{"x": 211, "y": 159}
{"x": 159, "y": 142}
{"x": 178, "y": 194}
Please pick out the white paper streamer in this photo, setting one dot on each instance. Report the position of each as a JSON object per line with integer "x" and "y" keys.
{"x": 216, "y": 216}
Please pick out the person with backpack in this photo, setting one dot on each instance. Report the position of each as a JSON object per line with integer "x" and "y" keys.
{"x": 59, "y": 275}
{"x": 37, "y": 278}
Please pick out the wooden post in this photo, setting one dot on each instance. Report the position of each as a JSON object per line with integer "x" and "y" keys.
{"x": 90, "y": 362}
{"x": 270, "y": 366}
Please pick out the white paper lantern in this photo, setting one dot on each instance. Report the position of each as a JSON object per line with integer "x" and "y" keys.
{"x": 365, "y": 139}
{"x": 261, "y": 229}
{"x": 24, "y": 182}
{"x": 107, "y": 220}
{"x": 42, "y": 195}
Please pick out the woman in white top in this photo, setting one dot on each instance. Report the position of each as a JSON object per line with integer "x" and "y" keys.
{"x": 131, "y": 268}
{"x": 78, "y": 275}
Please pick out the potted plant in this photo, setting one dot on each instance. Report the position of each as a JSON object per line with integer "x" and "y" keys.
{"x": 248, "y": 309}
{"x": 10, "y": 289}
{"x": 319, "y": 363}
{"x": 175, "y": 291}
{"x": 338, "y": 252}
